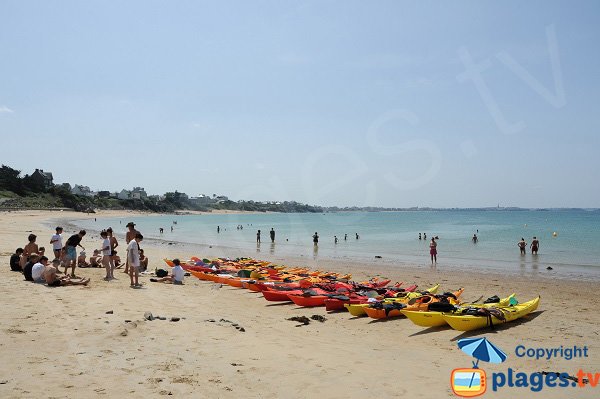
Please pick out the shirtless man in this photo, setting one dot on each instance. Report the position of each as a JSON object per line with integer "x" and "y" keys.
{"x": 522, "y": 245}
{"x": 129, "y": 236}
{"x": 535, "y": 245}
{"x": 53, "y": 281}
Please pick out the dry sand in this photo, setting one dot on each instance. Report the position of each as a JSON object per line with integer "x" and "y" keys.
{"x": 61, "y": 343}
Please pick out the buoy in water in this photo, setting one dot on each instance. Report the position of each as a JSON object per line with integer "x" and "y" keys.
{"x": 555, "y": 234}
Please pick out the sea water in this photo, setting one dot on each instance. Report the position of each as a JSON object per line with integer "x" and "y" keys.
{"x": 568, "y": 238}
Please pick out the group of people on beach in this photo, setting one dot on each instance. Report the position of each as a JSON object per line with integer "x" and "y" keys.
{"x": 32, "y": 262}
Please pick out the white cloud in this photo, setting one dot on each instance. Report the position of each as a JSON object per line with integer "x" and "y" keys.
{"x": 5, "y": 109}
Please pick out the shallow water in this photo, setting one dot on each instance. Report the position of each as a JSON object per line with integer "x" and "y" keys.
{"x": 394, "y": 236}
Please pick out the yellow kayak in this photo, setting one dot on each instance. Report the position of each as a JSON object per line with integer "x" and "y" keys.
{"x": 511, "y": 313}
{"x": 358, "y": 310}
{"x": 435, "y": 319}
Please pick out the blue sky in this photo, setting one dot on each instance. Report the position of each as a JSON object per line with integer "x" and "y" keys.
{"x": 324, "y": 102}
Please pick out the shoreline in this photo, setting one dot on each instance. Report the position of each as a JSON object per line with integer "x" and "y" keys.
{"x": 335, "y": 358}
{"x": 394, "y": 264}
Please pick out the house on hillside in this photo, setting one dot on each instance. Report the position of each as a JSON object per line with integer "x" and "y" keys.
{"x": 104, "y": 194}
{"x": 42, "y": 178}
{"x": 82, "y": 190}
{"x": 138, "y": 193}
{"x": 202, "y": 200}
{"x": 124, "y": 195}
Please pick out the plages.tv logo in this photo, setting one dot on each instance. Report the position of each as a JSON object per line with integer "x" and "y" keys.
{"x": 470, "y": 382}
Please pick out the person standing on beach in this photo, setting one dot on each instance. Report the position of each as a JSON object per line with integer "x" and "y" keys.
{"x": 106, "y": 255}
{"x": 535, "y": 245}
{"x": 71, "y": 251}
{"x": 522, "y": 245}
{"x": 258, "y": 237}
{"x": 433, "y": 250}
{"x": 133, "y": 259}
{"x": 357, "y": 237}
{"x": 316, "y": 239}
{"x": 113, "y": 250}
{"x": 218, "y": 229}
{"x": 130, "y": 236}
{"x": 420, "y": 236}
{"x": 335, "y": 240}
{"x": 56, "y": 242}
{"x": 424, "y": 236}
{"x": 272, "y": 234}
{"x": 475, "y": 239}
{"x": 346, "y": 237}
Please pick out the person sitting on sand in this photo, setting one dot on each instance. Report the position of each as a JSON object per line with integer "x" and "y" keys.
{"x": 81, "y": 262}
{"x": 33, "y": 259}
{"x": 176, "y": 277}
{"x": 116, "y": 259}
{"x": 143, "y": 261}
{"x": 53, "y": 280}
{"x": 37, "y": 271}
{"x": 29, "y": 249}
{"x": 95, "y": 259}
{"x": 15, "y": 260}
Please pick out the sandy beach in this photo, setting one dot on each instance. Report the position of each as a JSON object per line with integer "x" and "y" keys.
{"x": 94, "y": 342}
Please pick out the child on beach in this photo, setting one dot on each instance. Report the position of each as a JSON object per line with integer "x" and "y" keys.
{"x": 15, "y": 260}
{"x": 29, "y": 249}
{"x": 176, "y": 277}
{"x": 113, "y": 248}
{"x": 133, "y": 258}
{"x": 37, "y": 270}
{"x": 129, "y": 237}
{"x": 52, "y": 279}
{"x": 106, "y": 255}
{"x": 71, "y": 251}
{"x": 56, "y": 241}
{"x": 143, "y": 261}
{"x": 29, "y": 265}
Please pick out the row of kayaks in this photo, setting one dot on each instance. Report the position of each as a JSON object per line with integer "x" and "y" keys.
{"x": 376, "y": 299}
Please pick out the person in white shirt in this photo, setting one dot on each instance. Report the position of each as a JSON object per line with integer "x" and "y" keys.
{"x": 133, "y": 258}
{"x": 106, "y": 251}
{"x": 176, "y": 277}
{"x": 37, "y": 271}
{"x": 56, "y": 242}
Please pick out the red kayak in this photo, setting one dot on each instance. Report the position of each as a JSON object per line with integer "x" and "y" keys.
{"x": 308, "y": 301}
{"x": 334, "y": 304}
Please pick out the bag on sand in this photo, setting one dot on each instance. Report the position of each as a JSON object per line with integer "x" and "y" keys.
{"x": 162, "y": 273}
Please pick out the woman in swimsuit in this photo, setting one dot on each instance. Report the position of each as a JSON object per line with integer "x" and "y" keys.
{"x": 433, "y": 250}
{"x": 522, "y": 245}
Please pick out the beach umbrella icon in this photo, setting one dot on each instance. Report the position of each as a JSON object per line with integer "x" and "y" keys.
{"x": 481, "y": 349}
